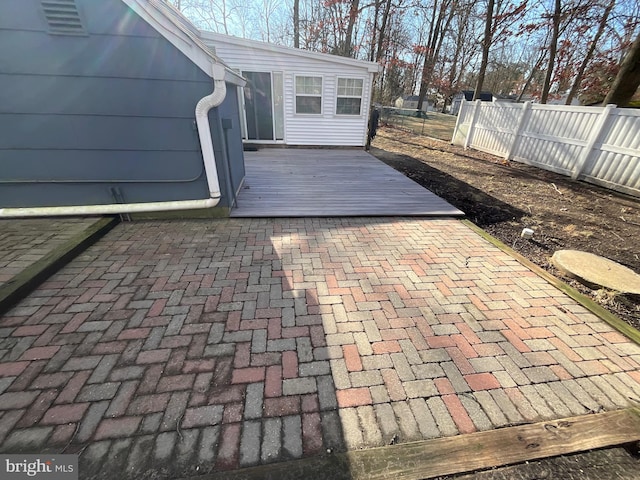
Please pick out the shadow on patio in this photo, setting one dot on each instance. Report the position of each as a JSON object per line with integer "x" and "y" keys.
{"x": 184, "y": 348}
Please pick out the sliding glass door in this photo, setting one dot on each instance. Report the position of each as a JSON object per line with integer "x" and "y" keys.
{"x": 264, "y": 106}
{"x": 258, "y": 105}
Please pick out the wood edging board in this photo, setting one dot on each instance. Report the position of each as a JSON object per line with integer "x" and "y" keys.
{"x": 459, "y": 454}
{"x": 28, "y": 279}
{"x": 620, "y": 325}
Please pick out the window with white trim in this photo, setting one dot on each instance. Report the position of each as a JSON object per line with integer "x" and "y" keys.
{"x": 309, "y": 95}
{"x": 349, "y": 98}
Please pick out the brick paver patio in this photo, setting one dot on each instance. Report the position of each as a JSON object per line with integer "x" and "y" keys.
{"x": 25, "y": 241}
{"x": 189, "y": 347}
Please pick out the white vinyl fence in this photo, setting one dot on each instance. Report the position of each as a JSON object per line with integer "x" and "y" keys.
{"x": 600, "y": 145}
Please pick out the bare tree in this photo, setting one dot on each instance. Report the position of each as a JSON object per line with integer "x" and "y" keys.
{"x": 556, "y": 18}
{"x": 382, "y": 31}
{"x": 487, "y": 40}
{"x": 501, "y": 16}
{"x": 533, "y": 71}
{"x": 442, "y": 46}
{"x": 592, "y": 48}
{"x": 564, "y": 23}
{"x": 268, "y": 10}
{"x": 374, "y": 31}
{"x": 296, "y": 23}
{"x": 314, "y": 35}
{"x": 441, "y": 15}
{"x": 207, "y": 14}
{"x": 351, "y": 21}
{"x": 458, "y": 51}
{"x": 628, "y": 79}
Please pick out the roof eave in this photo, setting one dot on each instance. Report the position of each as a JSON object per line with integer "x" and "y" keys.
{"x": 213, "y": 37}
{"x": 183, "y": 42}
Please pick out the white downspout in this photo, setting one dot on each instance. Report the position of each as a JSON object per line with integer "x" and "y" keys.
{"x": 204, "y": 129}
{"x": 202, "y": 120}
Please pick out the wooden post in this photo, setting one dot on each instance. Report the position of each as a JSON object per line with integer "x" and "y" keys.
{"x": 526, "y": 110}
{"x": 474, "y": 118}
{"x": 594, "y": 136}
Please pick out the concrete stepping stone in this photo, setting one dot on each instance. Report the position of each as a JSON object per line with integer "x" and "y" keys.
{"x": 594, "y": 270}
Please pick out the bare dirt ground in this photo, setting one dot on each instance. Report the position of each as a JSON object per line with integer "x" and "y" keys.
{"x": 505, "y": 197}
{"x": 610, "y": 463}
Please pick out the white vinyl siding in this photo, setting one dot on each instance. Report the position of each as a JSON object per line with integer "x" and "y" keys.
{"x": 349, "y": 99}
{"x": 278, "y": 104}
{"x": 308, "y": 95}
{"x": 328, "y": 128}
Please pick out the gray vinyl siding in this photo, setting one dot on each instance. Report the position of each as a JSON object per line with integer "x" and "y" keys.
{"x": 80, "y": 115}
{"x": 230, "y": 145}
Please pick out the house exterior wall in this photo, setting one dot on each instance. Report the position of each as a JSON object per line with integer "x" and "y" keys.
{"x": 324, "y": 129}
{"x": 467, "y": 95}
{"x": 113, "y": 109}
{"x": 227, "y": 143}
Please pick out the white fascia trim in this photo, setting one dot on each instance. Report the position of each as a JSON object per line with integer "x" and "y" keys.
{"x": 269, "y": 47}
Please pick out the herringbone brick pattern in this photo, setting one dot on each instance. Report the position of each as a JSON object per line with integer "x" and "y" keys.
{"x": 25, "y": 241}
{"x": 187, "y": 347}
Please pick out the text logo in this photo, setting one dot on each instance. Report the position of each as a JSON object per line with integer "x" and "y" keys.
{"x": 45, "y": 467}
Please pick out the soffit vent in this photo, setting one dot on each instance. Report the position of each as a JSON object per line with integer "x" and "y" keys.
{"x": 63, "y": 17}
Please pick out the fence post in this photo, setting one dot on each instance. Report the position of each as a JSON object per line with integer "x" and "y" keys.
{"x": 476, "y": 110}
{"x": 594, "y": 136}
{"x": 457, "y": 128}
{"x": 526, "y": 110}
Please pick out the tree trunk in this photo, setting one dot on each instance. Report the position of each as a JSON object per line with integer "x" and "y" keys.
{"x": 459, "y": 45}
{"x": 296, "y": 23}
{"x": 353, "y": 15}
{"x": 427, "y": 65}
{"x": 592, "y": 48}
{"x": 486, "y": 45}
{"x": 374, "y": 31}
{"x": 415, "y": 72}
{"x": 383, "y": 28}
{"x": 534, "y": 69}
{"x": 628, "y": 79}
{"x": 434, "y": 43}
{"x": 553, "y": 49}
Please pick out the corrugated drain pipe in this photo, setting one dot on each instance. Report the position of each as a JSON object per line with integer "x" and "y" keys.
{"x": 206, "y": 143}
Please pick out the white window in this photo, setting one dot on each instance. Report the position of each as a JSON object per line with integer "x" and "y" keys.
{"x": 309, "y": 95}
{"x": 349, "y": 99}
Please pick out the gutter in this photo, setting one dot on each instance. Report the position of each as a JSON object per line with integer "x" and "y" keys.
{"x": 206, "y": 143}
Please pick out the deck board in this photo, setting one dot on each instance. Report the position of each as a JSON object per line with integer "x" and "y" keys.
{"x": 330, "y": 183}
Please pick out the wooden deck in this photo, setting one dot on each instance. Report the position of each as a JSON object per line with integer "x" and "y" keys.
{"x": 330, "y": 183}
